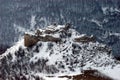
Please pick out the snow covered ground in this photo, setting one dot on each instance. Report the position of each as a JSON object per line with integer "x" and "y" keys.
{"x": 59, "y": 59}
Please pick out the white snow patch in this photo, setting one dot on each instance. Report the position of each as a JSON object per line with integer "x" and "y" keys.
{"x": 116, "y": 9}
{"x": 42, "y": 54}
{"x": 113, "y": 73}
{"x": 104, "y": 9}
{"x": 55, "y": 78}
{"x": 97, "y": 22}
{"x": 14, "y": 48}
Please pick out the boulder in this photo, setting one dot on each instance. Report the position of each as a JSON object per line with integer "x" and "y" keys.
{"x": 30, "y": 40}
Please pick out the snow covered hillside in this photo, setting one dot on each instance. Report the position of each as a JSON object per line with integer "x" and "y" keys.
{"x": 72, "y": 55}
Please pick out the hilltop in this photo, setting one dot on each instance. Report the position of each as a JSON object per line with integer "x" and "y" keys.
{"x": 58, "y": 51}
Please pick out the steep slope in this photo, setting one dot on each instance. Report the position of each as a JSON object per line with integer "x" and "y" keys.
{"x": 72, "y": 55}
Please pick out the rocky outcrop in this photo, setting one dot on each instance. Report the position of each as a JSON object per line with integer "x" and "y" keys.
{"x": 85, "y": 39}
{"x": 47, "y": 35}
{"x": 50, "y": 38}
{"x": 32, "y": 40}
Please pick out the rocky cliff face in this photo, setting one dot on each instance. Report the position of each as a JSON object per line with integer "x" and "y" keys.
{"x": 46, "y": 57}
{"x": 55, "y": 34}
